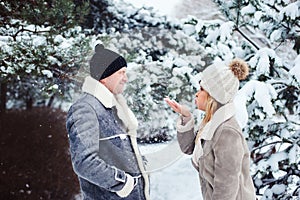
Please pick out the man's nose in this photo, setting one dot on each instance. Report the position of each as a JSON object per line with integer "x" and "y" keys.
{"x": 125, "y": 78}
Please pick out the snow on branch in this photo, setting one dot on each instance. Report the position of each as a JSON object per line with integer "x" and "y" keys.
{"x": 261, "y": 61}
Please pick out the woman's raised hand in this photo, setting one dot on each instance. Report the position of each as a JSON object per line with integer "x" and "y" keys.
{"x": 181, "y": 109}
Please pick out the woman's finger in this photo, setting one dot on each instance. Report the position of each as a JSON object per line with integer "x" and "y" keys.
{"x": 173, "y": 104}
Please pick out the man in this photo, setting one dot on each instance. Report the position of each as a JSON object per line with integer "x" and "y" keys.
{"x": 102, "y": 134}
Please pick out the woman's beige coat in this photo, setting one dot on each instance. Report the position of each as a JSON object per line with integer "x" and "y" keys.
{"x": 223, "y": 164}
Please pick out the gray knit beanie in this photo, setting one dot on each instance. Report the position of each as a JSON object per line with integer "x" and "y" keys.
{"x": 221, "y": 81}
{"x": 105, "y": 62}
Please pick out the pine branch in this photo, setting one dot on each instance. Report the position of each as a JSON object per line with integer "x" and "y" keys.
{"x": 26, "y": 30}
{"x": 247, "y": 38}
{"x": 276, "y": 142}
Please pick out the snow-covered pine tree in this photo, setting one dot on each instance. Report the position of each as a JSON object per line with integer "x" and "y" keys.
{"x": 41, "y": 48}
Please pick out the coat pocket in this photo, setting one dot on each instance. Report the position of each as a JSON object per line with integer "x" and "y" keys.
{"x": 117, "y": 151}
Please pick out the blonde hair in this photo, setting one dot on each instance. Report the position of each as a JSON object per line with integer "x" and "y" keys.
{"x": 211, "y": 106}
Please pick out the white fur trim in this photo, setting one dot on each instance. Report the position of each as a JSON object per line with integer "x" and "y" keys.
{"x": 128, "y": 187}
{"x": 126, "y": 115}
{"x": 220, "y": 116}
{"x": 141, "y": 166}
{"x": 98, "y": 90}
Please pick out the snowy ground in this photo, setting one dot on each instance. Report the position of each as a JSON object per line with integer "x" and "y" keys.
{"x": 178, "y": 181}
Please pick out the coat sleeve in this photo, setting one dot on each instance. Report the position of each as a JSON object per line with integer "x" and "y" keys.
{"x": 83, "y": 131}
{"x": 186, "y": 136}
{"x": 229, "y": 153}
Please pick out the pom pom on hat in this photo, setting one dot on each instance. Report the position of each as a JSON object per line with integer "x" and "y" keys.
{"x": 99, "y": 48}
{"x": 105, "y": 62}
{"x": 222, "y": 81}
{"x": 239, "y": 68}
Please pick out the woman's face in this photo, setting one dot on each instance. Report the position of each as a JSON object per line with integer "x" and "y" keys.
{"x": 201, "y": 99}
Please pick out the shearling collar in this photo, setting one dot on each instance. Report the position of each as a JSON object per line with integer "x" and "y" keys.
{"x": 221, "y": 115}
{"x": 98, "y": 90}
{"x": 109, "y": 100}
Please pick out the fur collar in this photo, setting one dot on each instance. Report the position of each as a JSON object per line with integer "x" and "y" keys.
{"x": 221, "y": 115}
{"x": 98, "y": 90}
{"x": 109, "y": 100}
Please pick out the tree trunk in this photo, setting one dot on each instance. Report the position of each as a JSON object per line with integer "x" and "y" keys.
{"x": 29, "y": 103}
{"x": 51, "y": 101}
{"x": 3, "y": 92}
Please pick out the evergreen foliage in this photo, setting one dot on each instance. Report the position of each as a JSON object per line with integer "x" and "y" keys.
{"x": 41, "y": 48}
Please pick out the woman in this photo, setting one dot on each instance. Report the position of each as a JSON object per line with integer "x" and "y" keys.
{"x": 219, "y": 151}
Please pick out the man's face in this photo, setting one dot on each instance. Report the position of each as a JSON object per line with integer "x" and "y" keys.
{"x": 116, "y": 82}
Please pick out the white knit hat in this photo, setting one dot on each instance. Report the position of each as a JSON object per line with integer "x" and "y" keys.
{"x": 221, "y": 81}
